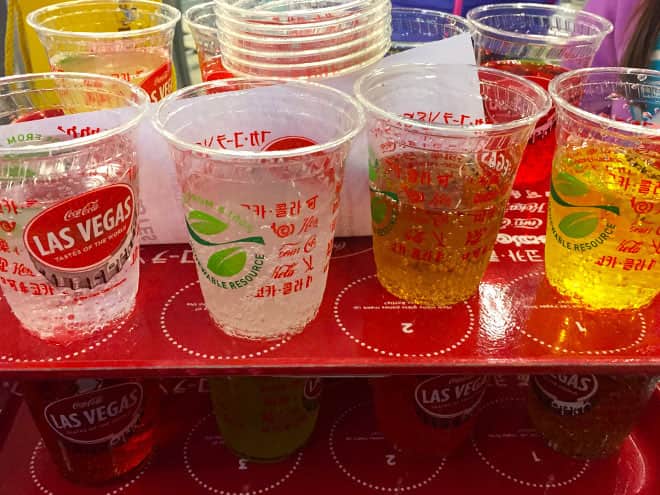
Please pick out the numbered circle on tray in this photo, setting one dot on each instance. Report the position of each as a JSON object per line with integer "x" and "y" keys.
{"x": 553, "y": 322}
{"x": 48, "y": 480}
{"x": 219, "y": 471}
{"x": 185, "y": 311}
{"x": 514, "y": 453}
{"x": 363, "y": 454}
{"x": 386, "y": 325}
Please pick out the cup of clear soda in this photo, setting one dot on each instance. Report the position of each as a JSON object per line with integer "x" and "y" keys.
{"x": 69, "y": 263}
{"x": 260, "y": 165}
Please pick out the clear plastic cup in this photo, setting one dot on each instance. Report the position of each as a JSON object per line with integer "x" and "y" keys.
{"x": 129, "y": 40}
{"x": 238, "y": 37}
{"x": 200, "y": 19}
{"x": 438, "y": 188}
{"x": 372, "y": 37}
{"x": 282, "y": 68}
{"x": 603, "y": 230}
{"x": 281, "y": 14}
{"x": 316, "y": 39}
{"x": 68, "y": 196}
{"x": 260, "y": 165}
{"x": 414, "y": 27}
{"x": 537, "y": 42}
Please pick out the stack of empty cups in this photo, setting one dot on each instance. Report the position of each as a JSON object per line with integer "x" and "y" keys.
{"x": 302, "y": 38}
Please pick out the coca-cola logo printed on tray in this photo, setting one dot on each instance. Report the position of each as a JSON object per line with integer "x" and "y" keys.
{"x": 84, "y": 241}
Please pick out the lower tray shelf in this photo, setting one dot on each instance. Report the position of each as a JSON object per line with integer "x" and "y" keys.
{"x": 347, "y": 454}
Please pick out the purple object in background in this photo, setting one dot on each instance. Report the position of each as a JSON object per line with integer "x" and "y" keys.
{"x": 619, "y": 12}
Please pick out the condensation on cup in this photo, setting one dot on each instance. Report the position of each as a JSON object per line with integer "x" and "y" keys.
{"x": 95, "y": 430}
{"x": 428, "y": 415}
{"x": 68, "y": 194}
{"x": 439, "y": 180}
{"x": 260, "y": 166}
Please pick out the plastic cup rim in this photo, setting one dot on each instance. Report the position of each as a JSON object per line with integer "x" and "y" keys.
{"x": 381, "y": 33}
{"x": 325, "y": 23}
{"x": 383, "y": 18}
{"x": 141, "y": 107}
{"x": 380, "y": 47}
{"x": 257, "y": 155}
{"x": 342, "y": 71}
{"x": 194, "y": 9}
{"x": 445, "y": 128}
{"x": 607, "y": 26}
{"x": 432, "y": 13}
{"x": 562, "y": 103}
{"x": 174, "y": 13}
{"x": 270, "y": 13}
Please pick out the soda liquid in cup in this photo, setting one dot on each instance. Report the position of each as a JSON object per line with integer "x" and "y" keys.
{"x": 200, "y": 20}
{"x": 68, "y": 194}
{"x": 265, "y": 418}
{"x": 260, "y": 165}
{"x": 414, "y": 27}
{"x": 428, "y": 415}
{"x": 603, "y": 231}
{"x": 587, "y": 416}
{"x": 438, "y": 186}
{"x": 537, "y": 42}
{"x": 129, "y": 40}
{"x": 95, "y": 430}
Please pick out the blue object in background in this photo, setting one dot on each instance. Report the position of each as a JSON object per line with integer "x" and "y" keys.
{"x": 448, "y": 5}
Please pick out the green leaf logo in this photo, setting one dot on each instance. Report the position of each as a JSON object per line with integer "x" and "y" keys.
{"x": 205, "y": 224}
{"x": 228, "y": 262}
{"x": 569, "y": 185}
{"x": 578, "y": 225}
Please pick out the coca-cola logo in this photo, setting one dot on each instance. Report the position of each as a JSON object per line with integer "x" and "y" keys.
{"x": 96, "y": 417}
{"x": 84, "y": 231}
{"x": 450, "y": 397}
{"x": 89, "y": 208}
{"x": 567, "y": 394}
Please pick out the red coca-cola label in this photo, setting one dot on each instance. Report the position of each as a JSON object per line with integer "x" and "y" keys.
{"x": 84, "y": 231}
{"x": 566, "y": 394}
{"x": 100, "y": 416}
{"x": 159, "y": 83}
{"x": 450, "y": 397}
{"x": 313, "y": 388}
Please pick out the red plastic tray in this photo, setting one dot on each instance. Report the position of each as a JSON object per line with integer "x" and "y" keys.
{"x": 347, "y": 454}
{"x": 515, "y": 323}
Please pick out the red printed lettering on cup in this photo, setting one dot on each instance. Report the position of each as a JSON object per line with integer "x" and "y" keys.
{"x": 159, "y": 83}
{"x": 449, "y": 400}
{"x": 103, "y": 416}
{"x": 568, "y": 395}
{"x": 85, "y": 240}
